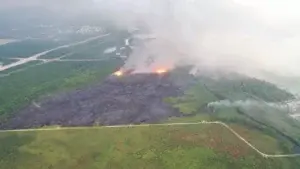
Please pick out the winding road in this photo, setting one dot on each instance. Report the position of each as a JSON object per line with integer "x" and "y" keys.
{"x": 163, "y": 124}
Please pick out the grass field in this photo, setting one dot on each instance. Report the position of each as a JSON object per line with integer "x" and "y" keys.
{"x": 21, "y": 88}
{"x": 197, "y": 146}
{"x": 93, "y": 49}
{"x": 37, "y": 79}
{"x": 26, "y": 48}
{"x": 20, "y": 67}
{"x": 5, "y": 61}
{"x": 263, "y": 141}
{"x": 22, "y": 49}
{"x": 274, "y": 123}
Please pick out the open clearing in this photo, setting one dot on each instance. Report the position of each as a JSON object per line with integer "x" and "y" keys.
{"x": 195, "y": 146}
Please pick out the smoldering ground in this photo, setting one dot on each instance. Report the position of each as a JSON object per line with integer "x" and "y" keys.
{"x": 132, "y": 99}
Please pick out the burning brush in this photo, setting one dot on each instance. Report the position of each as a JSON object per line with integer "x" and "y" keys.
{"x": 161, "y": 71}
{"x": 123, "y": 72}
{"x": 118, "y": 73}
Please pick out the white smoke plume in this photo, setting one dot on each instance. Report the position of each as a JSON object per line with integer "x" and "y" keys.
{"x": 241, "y": 35}
{"x": 246, "y": 36}
{"x": 250, "y": 104}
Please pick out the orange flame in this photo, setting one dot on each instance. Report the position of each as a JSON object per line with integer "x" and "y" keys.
{"x": 161, "y": 71}
{"x": 118, "y": 73}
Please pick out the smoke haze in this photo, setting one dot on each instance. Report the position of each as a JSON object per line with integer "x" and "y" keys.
{"x": 242, "y": 35}
{"x": 246, "y": 104}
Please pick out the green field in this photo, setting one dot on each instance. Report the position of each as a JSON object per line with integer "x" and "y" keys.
{"x": 20, "y": 67}
{"x": 91, "y": 50}
{"x": 210, "y": 146}
{"x": 22, "y": 49}
{"x": 5, "y": 61}
{"x": 196, "y": 146}
{"x": 35, "y": 79}
{"x": 26, "y": 48}
{"x": 264, "y": 119}
{"x": 21, "y": 88}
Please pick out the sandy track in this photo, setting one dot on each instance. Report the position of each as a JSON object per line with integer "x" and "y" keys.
{"x": 23, "y": 69}
{"x": 36, "y": 56}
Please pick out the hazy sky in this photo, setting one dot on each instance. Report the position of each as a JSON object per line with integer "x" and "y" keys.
{"x": 246, "y": 34}
{"x": 59, "y": 7}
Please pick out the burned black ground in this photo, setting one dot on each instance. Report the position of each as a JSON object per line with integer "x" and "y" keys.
{"x": 130, "y": 99}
